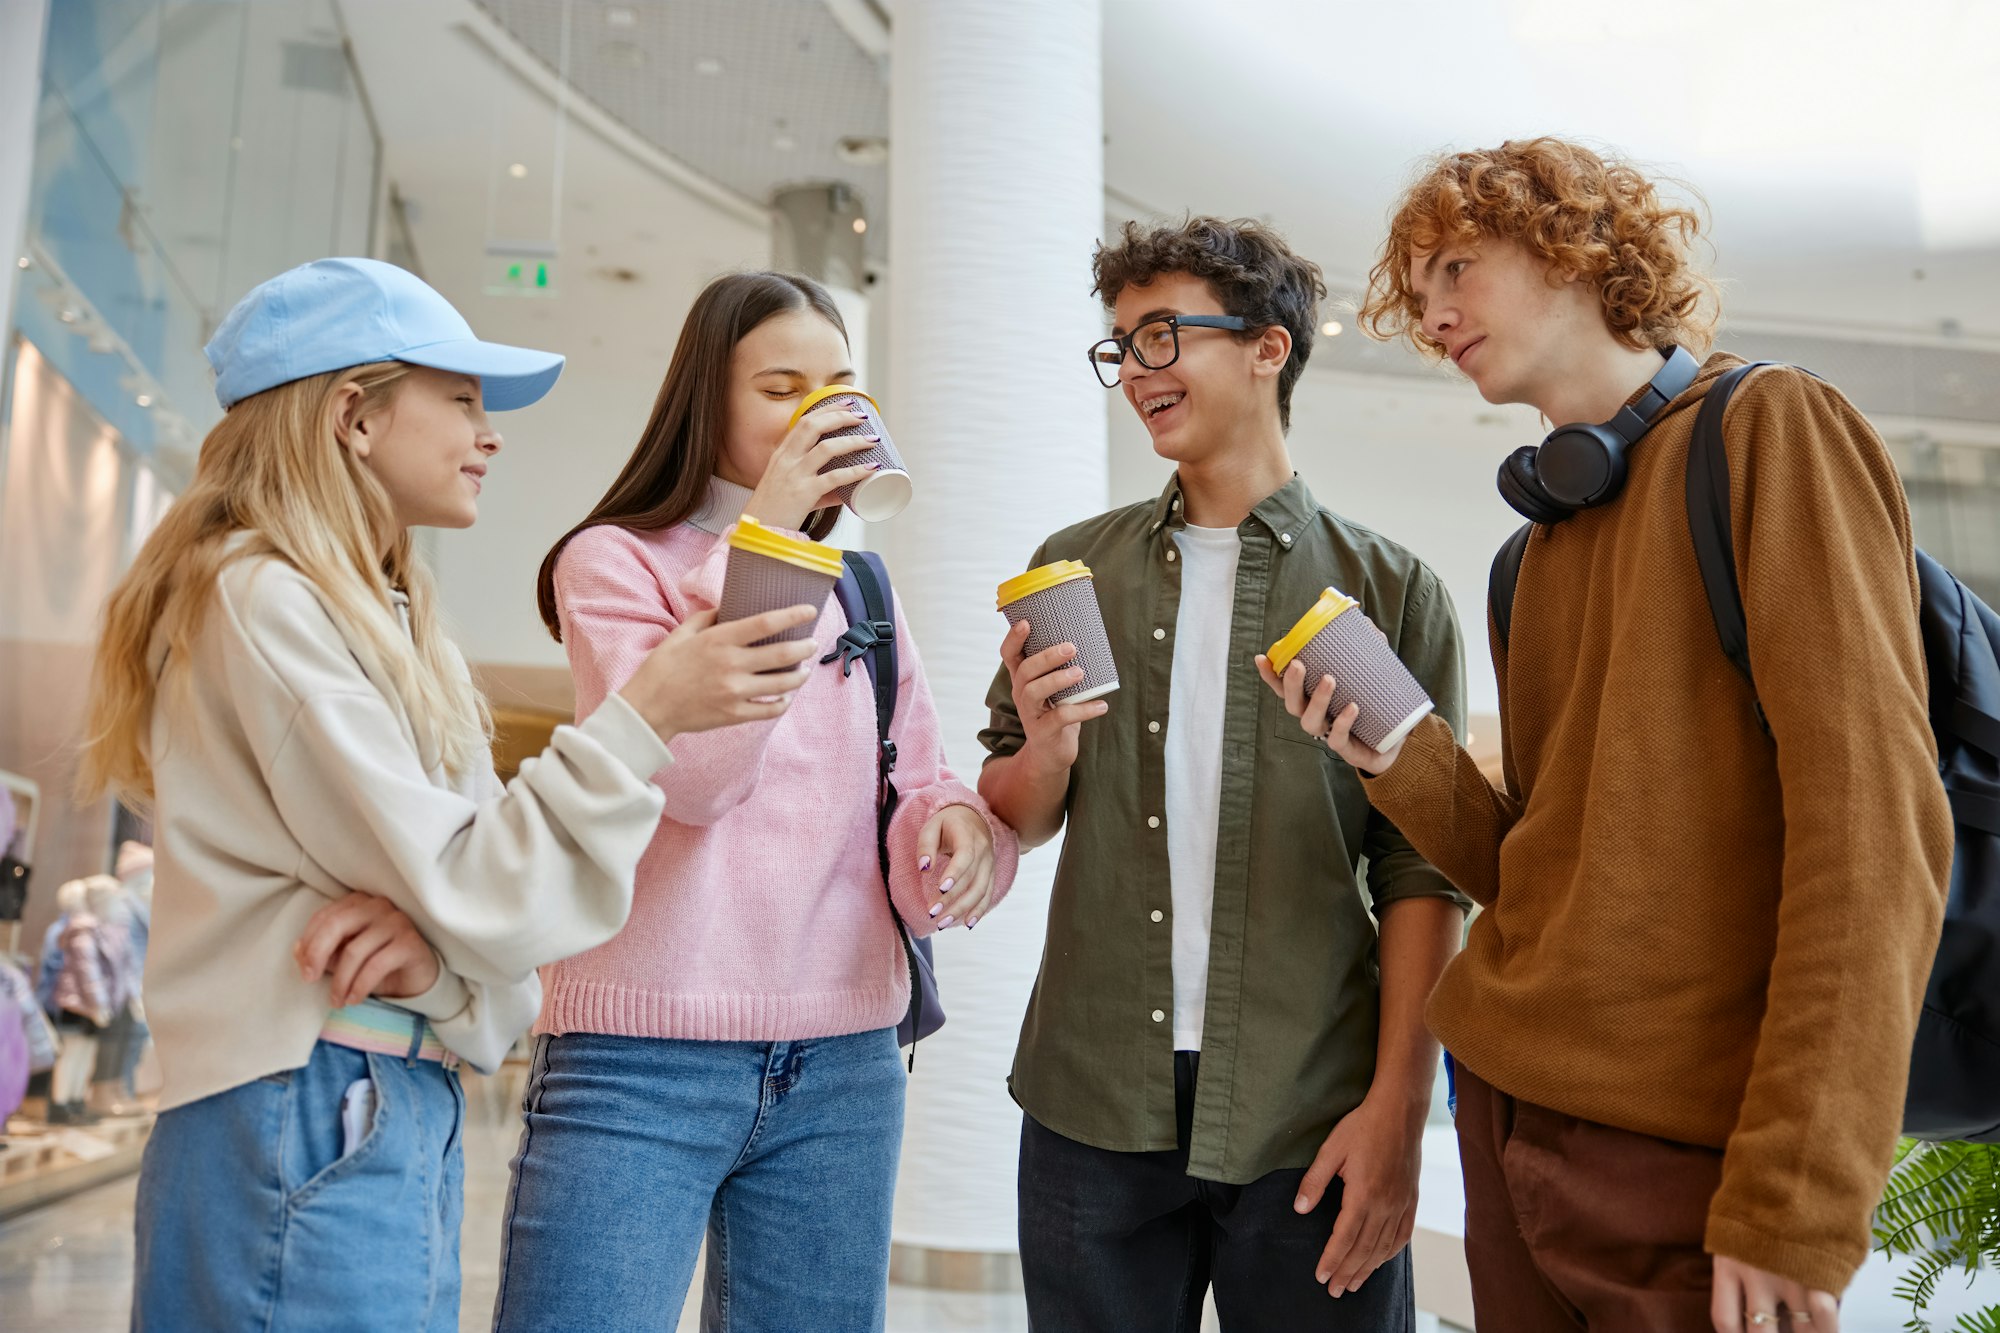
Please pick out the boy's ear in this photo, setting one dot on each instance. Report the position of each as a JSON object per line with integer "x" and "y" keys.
{"x": 1273, "y": 350}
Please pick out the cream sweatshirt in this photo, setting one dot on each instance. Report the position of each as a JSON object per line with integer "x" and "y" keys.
{"x": 287, "y": 774}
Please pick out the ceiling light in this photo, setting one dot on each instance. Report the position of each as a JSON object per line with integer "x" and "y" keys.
{"x": 708, "y": 65}
{"x": 24, "y": 262}
{"x": 862, "y": 150}
{"x": 518, "y": 171}
{"x": 619, "y": 16}
{"x": 860, "y": 226}
{"x": 784, "y": 143}
{"x": 144, "y": 400}
{"x": 1331, "y": 328}
{"x": 69, "y": 315}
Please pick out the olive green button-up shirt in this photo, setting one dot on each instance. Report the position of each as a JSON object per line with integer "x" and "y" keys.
{"x": 1288, "y": 1044}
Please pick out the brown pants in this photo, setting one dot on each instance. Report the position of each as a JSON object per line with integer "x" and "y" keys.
{"x": 1571, "y": 1224}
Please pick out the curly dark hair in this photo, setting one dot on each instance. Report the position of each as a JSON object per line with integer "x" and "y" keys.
{"x": 1589, "y": 215}
{"x": 1248, "y": 266}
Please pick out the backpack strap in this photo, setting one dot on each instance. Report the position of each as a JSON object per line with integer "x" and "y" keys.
{"x": 1500, "y": 582}
{"x": 863, "y": 592}
{"x": 1710, "y": 525}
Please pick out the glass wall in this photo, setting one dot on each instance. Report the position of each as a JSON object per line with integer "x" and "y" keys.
{"x": 184, "y": 151}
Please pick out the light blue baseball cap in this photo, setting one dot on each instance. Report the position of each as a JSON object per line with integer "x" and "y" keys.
{"x": 335, "y": 313}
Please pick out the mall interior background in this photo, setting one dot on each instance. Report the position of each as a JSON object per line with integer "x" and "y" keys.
{"x": 571, "y": 172}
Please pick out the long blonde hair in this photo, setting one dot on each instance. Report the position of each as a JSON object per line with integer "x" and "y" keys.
{"x": 276, "y": 467}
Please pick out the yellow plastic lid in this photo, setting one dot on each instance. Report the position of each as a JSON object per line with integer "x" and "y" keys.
{"x": 1035, "y": 580}
{"x": 750, "y": 535}
{"x": 818, "y": 396}
{"x": 1330, "y": 604}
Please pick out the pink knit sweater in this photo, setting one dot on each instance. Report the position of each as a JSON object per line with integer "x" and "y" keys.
{"x": 759, "y": 913}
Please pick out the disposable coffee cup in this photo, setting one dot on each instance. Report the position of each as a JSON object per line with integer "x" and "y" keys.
{"x": 1059, "y": 602}
{"x": 883, "y": 495}
{"x": 1336, "y": 639}
{"x": 769, "y": 571}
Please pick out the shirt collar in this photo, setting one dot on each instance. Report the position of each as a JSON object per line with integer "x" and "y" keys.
{"x": 724, "y": 505}
{"x": 1285, "y": 512}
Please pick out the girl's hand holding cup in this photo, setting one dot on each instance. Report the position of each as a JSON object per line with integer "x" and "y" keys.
{"x": 1051, "y": 729}
{"x": 959, "y": 844}
{"x": 704, "y": 675}
{"x": 793, "y": 485}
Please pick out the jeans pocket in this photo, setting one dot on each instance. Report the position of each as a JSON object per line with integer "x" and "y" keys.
{"x": 346, "y": 1159}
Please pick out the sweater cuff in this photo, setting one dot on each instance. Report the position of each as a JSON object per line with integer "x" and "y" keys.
{"x": 1812, "y": 1268}
{"x": 630, "y": 739}
{"x": 444, "y": 1001}
{"x": 1412, "y": 772}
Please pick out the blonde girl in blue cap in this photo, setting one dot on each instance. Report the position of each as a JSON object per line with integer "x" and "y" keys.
{"x": 346, "y": 903}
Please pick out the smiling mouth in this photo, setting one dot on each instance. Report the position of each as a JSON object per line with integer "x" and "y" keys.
{"x": 1152, "y": 407}
{"x": 1465, "y": 351}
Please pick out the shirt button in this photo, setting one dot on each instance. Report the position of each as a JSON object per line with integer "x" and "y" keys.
{"x": 1152, "y": 821}
{"x": 1153, "y": 726}
{"x": 1170, "y": 557}
{"x": 1159, "y": 915}
{"x": 1177, "y": 502}
{"x": 1159, "y": 634}
{"x": 1159, "y": 1016}
{"x": 1285, "y": 537}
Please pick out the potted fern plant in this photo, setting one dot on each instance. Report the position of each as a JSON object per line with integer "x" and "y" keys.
{"x": 1942, "y": 1210}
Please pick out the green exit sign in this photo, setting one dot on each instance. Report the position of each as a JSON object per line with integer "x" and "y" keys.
{"x": 520, "y": 270}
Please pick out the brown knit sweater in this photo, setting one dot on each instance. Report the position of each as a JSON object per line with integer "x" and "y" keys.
{"x": 1690, "y": 931}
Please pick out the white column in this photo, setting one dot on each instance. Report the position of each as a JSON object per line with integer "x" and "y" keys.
{"x": 996, "y": 200}
{"x": 21, "y": 27}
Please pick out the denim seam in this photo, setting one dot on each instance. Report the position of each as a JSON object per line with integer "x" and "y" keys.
{"x": 531, "y": 1097}
{"x": 274, "y": 1270}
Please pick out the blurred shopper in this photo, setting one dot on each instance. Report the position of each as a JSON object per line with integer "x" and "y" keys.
{"x": 274, "y": 686}
{"x": 1682, "y": 1023}
{"x": 727, "y": 1066}
{"x": 1224, "y": 1066}
{"x": 90, "y": 952}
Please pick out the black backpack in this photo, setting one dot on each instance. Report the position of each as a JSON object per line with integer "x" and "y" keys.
{"x": 863, "y": 593}
{"x": 1955, "y": 1062}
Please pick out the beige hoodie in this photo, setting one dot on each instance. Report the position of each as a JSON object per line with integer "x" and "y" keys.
{"x": 288, "y": 774}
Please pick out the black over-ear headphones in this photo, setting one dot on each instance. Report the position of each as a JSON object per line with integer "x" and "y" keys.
{"x": 1580, "y": 467}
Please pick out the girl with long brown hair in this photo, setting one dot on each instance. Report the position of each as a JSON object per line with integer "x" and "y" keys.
{"x": 727, "y": 1066}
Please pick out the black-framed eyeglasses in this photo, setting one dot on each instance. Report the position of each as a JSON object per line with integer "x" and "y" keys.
{"x": 1156, "y": 343}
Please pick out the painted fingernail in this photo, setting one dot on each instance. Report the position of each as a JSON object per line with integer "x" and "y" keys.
{"x": 946, "y": 886}
{"x": 945, "y": 922}
{"x": 936, "y": 908}
{"x": 924, "y": 864}
{"x": 971, "y": 921}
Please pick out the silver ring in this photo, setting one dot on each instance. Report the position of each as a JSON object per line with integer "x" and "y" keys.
{"x": 1762, "y": 1318}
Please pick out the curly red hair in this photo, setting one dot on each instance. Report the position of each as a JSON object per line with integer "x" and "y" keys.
{"x": 1587, "y": 215}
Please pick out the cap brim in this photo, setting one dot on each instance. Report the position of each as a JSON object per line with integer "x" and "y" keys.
{"x": 509, "y": 377}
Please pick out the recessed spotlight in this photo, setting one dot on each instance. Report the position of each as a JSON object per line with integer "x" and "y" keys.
{"x": 1331, "y": 328}
{"x": 69, "y": 315}
{"x": 518, "y": 171}
{"x": 784, "y": 143}
{"x": 144, "y": 400}
{"x": 619, "y": 16}
{"x": 24, "y": 262}
{"x": 862, "y": 150}
{"x": 860, "y": 226}
{"x": 708, "y": 65}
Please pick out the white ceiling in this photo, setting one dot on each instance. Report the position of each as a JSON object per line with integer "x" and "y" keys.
{"x": 1848, "y": 148}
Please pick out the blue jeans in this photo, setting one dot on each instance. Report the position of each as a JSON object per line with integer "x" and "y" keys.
{"x": 783, "y": 1153}
{"x": 249, "y": 1216}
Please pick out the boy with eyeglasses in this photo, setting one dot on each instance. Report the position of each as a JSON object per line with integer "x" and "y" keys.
{"x": 1682, "y": 1022}
{"x": 1224, "y": 1067}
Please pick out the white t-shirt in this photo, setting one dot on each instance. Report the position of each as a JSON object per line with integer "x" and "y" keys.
{"x": 1194, "y": 759}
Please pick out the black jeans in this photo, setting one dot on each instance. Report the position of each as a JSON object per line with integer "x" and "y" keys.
{"x": 1127, "y": 1242}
